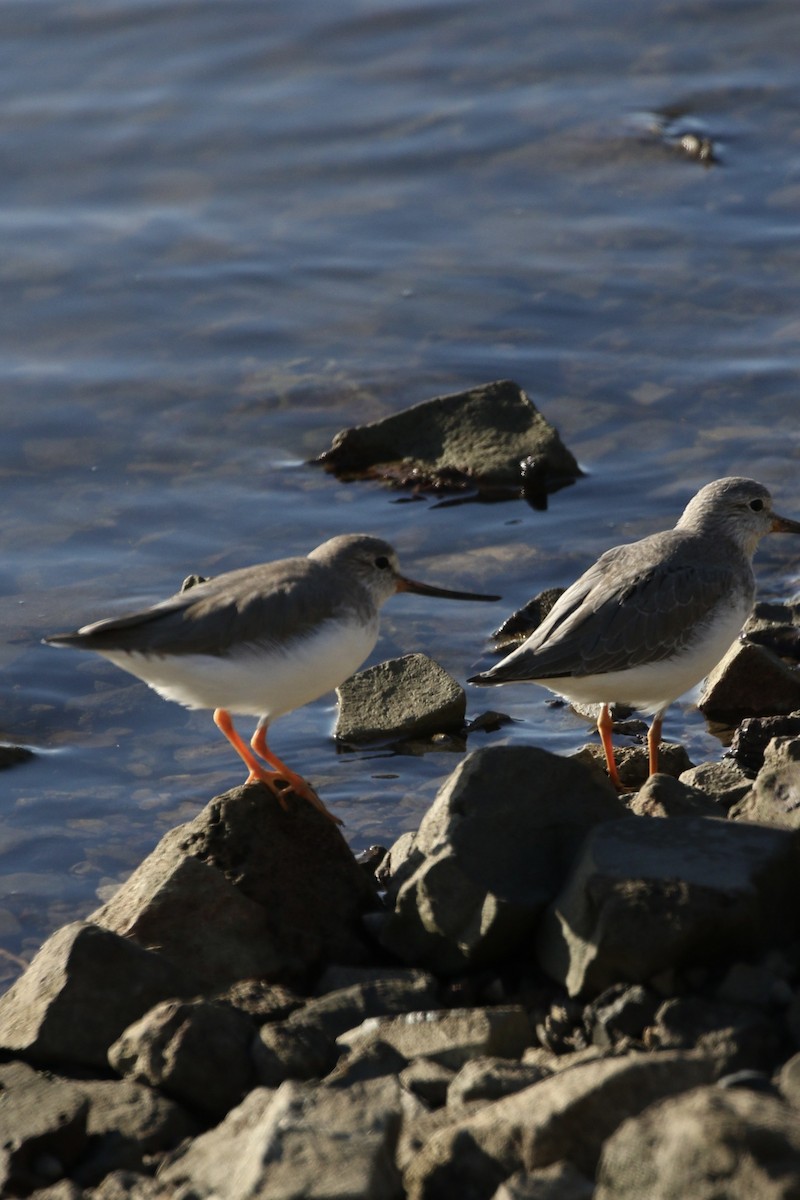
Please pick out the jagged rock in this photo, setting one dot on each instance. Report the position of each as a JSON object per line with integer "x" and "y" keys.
{"x": 774, "y": 798}
{"x": 81, "y": 990}
{"x": 619, "y": 1014}
{"x": 562, "y": 1181}
{"x": 567, "y": 1116}
{"x": 373, "y": 1061}
{"x": 520, "y": 625}
{"x": 407, "y": 697}
{"x": 300, "y": 892}
{"x": 776, "y": 625}
{"x": 750, "y": 681}
{"x": 479, "y": 437}
{"x": 725, "y": 782}
{"x": 429, "y": 1080}
{"x": 196, "y": 1051}
{"x": 633, "y": 763}
{"x": 450, "y": 1037}
{"x": 492, "y": 1078}
{"x": 42, "y": 1128}
{"x": 299, "y": 1051}
{"x": 646, "y": 896}
{"x": 490, "y": 853}
{"x": 302, "y": 1140}
{"x": 708, "y": 1143}
{"x": 665, "y": 796}
{"x": 754, "y": 734}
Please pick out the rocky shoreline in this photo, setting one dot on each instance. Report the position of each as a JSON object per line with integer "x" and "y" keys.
{"x": 548, "y": 990}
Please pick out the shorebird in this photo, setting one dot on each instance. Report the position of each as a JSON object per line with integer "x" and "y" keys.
{"x": 650, "y": 619}
{"x": 262, "y": 641}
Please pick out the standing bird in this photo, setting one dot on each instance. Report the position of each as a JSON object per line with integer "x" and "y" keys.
{"x": 262, "y": 641}
{"x": 650, "y": 619}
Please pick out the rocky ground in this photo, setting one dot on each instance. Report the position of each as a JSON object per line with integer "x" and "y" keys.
{"x": 547, "y": 991}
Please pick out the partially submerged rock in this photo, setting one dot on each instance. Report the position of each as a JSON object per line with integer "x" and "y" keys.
{"x": 402, "y": 698}
{"x": 750, "y": 681}
{"x": 774, "y": 798}
{"x": 474, "y": 440}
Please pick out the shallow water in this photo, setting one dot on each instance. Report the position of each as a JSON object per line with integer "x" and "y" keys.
{"x": 231, "y": 230}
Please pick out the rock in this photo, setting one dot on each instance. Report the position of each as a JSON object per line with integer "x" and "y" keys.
{"x": 725, "y": 782}
{"x": 633, "y": 763}
{"x": 750, "y": 681}
{"x": 81, "y": 990}
{"x": 476, "y": 437}
{"x": 754, "y": 735}
{"x": 300, "y": 892}
{"x": 565, "y": 1117}
{"x": 489, "y": 854}
{"x": 42, "y": 1128}
{"x": 301, "y": 1141}
{"x": 12, "y": 756}
{"x": 705, "y": 1144}
{"x": 774, "y": 798}
{"x": 777, "y": 626}
{"x": 739, "y": 1036}
{"x": 492, "y": 1078}
{"x": 126, "y": 1124}
{"x": 665, "y": 796}
{"x": 260, "y": 1000}
{"x": 408, "y": 697}
{"x": 372, "y": 1061}
{"x": 521, "y": 624}
{"x": 450, "y": 1037}
{"x": 338, "y": 1011}
{"x": 647, "y": 896}
{"x": 429, "y": 1080}
{"x": 754, "y": 984}
{"x": 789, "y": 1081}
{"x": 562, "y": 1181}
{"x": 196, "y": 1051}
{"x": 300, "y": 1051}
{"x": 620, "y": 1014}
{"x": 337, "y": 976}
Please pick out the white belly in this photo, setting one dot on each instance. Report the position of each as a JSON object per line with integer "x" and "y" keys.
{"x": 256, "y": 681}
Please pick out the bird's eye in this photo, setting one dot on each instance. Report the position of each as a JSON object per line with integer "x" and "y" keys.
{"x": 382, "y": 562}
{"x": 757, "y": 505}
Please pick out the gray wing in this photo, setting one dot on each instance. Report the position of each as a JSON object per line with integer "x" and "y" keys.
{"x": 264, "y": 605}
{"x": 638, "y": 604}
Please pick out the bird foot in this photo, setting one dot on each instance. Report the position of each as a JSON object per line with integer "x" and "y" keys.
{"x": 281, "y": 782}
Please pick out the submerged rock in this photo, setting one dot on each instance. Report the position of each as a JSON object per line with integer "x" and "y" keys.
{"x": 490, "y": 438}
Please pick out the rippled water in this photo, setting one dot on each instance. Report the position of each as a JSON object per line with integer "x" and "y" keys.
{"x": 230, "y": 230}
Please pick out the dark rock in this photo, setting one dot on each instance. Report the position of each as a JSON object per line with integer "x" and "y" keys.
{"x": 408, "y": 697}
{"x": 42, "y": 1128}
{"x": 301, "y": 1141}
{"x": 450, "y": 1037}
{"x": 492, "y": 1078}
{"x": 12, "y": 756}
{"x": 736, "y": 1036}
{"x": 300, "y": 892}
{"x": 297, "y": 1051}
{"x": 724, "y": 782}
{"x": 774, "y": 798}
{"x": 565, "y": 1117}
{"x": 479, "y": 437}
{"x": 196, "y": 1051}
{"x": 647, "y": 896}
{"x": 777, "y": 626}
{"x": 429, "y": 1080}
{"x": 754, "y": 735}
{"x": 521, "y": 624}
{"x": 562, "y": 1181}
{"x": 665, "y": 796}
{"x": 260, "y": 1000}
{"x": 81, "y": 990}
{"x": 338, "y": 1011}
{"x": 755, "y": 984}
{"x": 706, "y": 1144}
{"x": 619, "y": 1014}
{"x": 750, "y": 681}
{"x": 338, "y": 976}
{"x": 633, "y": 763}
{"x": 373, "y": 1061}
{"x": 789, "y": 1081}
{"x": 490, "y": 853}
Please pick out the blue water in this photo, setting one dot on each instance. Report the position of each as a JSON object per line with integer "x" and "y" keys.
{"x": 231, "y": 230}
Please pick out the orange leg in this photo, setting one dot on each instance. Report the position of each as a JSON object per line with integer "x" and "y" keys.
{"x": 604, "y": 726}
{"x": 281, "y": 772}
{"x": 654, "y": 741}
{"x": 223, "y": 722}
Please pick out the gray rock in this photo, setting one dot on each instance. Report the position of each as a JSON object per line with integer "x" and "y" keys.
{"x": 725, "y": 782}
{"x": 338, "y": 1011}
{"x": 774, "y": 798}
{"x": 754, "y": 734}
{"x": 646, "y": 896}
{"x": 450, "y": 1036}
{"x": 706, "y": 1144}
{"x": 490, "y": 853}
{"x": 665, "y": 796}
{"x": 408, "y": 697}
{"x": 301, "y": 1141}
{"x": 492, "y": 1078}
{"x": 196, "y": 1051}
{"x": 301, "y": 892}
{"x": 284, "y": 1051}
{"x": 81, "y": 990}
{"x": 750, "y": 681}
{"x": 42, "y": 1128}
{"x": 481, "y": 435}
{"x": 633, "y": 763}
{"x": 562, "y": 1181}
{"x": 565, "y": 1117}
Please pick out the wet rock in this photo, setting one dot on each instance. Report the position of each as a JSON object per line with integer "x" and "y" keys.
{"x": 12, "y": 756}
{"x": 633, "y": 762}
{"x": 754, "y": 734}
{"x": 408, "y": 697}
{"x": 777, "y": 626}
{"x": 196, "y": 1051}
{"x": 450, "y": 1037}
{"x": 708, "y": 1143}
{"x": 491, "y": 1079}
{"x": 429, "y": 1080}
{"x": 42, "y": 1128}
{"x": 665, "y": 796}
{"x": 750, "y": 681}
{"x": 562, "y": 1181}
{"x": 521, "y": 624}
{"x": 81, "y": 990}
{"x": 299, "y": 1141}
{"x": 490, "y": 853}
{"x": 300, "y": 892}
{"x": 725, "y": 782}
{"x": 565, "y": 1117}
{"x": 475, "y": 438}
{"x": 774, "y": 798}
{"x": 647, "y": 896}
